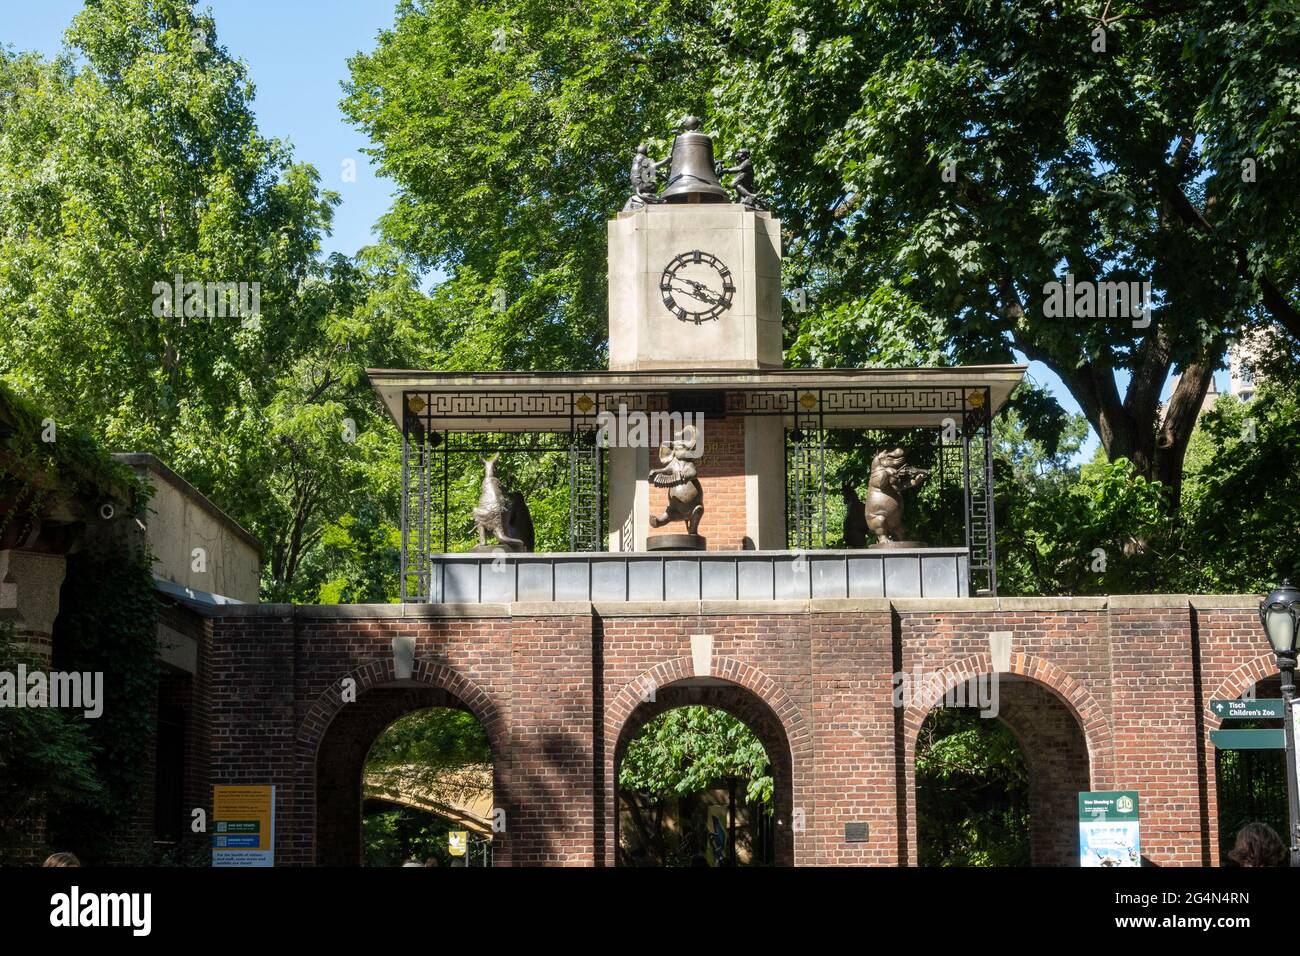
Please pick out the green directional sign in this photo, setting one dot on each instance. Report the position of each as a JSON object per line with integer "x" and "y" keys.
{"x": 1248, "y": 709}
{"x": 1248, "y": 739}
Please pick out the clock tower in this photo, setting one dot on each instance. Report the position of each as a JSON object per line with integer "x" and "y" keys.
{"x": 695, "y": 286}
{"x": 694, "y": 279}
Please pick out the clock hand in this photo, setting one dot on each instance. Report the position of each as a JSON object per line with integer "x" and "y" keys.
{"x": 700, "y": 290}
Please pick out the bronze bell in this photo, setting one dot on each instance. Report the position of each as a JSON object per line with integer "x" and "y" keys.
{"x": 692, "y": 177}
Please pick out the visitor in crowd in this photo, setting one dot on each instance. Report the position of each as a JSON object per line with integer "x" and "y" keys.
{"x": 1258, "y": 845}
{"x": 61, "y": 859}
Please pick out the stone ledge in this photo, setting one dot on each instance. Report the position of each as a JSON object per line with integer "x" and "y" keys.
{"x": 1126, "y": 602}
{"x": 711, "y": 608}
{"x": 1097, "y": 603}
{"x": 1207, "y": 601}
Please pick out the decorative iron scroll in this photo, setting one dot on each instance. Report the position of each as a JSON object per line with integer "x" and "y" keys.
{"x": 417, "y": 514}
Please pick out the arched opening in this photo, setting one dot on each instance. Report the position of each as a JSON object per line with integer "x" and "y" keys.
{"x": 703, "y": 777}
{"x": 1250, "y": 785}
{"x": 396, "y": 772}
{"x": 999, "y": 764}
{"x": 427, "y": 792}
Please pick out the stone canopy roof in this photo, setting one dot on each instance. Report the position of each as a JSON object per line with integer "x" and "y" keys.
{"x": 561, "y": 401}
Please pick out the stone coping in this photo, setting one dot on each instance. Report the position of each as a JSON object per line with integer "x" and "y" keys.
{"x": 152, "y": 463}
{"x": 1119, "y": 602}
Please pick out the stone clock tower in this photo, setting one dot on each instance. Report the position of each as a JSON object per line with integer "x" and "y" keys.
{"x": 695, "y": 285}
{"x": 694, "y": 279}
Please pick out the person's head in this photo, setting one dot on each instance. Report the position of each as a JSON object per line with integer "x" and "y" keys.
{"x": 1258, "y": 845}
{"x": 61, "y": 859}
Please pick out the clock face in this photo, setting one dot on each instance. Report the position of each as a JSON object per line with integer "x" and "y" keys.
{"x": 696, "y": 286}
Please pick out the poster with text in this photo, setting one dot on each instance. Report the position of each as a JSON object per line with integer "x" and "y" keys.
{"x": 243, "y": 826}
{"x": 1108, "y": 828}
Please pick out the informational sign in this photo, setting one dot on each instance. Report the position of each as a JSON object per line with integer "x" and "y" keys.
{"x": 457, "y": 842}
{"x": 243, "y": 826}
{"x": 1248, "y": 709}
{"x": 1109, "y": 829}
{"x": 1248, "y": 739}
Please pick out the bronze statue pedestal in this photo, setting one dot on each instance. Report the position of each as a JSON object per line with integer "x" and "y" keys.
{"x": 885, "y": 545}
{"x": 675, "y": 542}
{"x": 519, "y": 548}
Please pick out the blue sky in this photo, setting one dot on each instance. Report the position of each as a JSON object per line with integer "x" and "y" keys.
{"x": 297, "y": 52}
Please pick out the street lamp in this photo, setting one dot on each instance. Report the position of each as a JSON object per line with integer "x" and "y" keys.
{"x": 1280, "y": 615}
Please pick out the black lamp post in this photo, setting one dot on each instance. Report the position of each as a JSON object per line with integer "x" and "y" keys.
{"x": 1280, "y": 615}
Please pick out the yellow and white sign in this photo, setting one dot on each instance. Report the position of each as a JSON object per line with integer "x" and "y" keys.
{"x": 243, "y": 826}
{"x": 457, "y": 842}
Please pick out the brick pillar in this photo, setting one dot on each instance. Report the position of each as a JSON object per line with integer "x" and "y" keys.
{"x": 552, "y": 796}
{"x": 857, "y": 756}
{"x": 253, "y": 721}
{"x": 1155, "y": 725}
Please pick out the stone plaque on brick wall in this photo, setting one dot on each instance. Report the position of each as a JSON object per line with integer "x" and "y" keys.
{"x": 855, "y": 833}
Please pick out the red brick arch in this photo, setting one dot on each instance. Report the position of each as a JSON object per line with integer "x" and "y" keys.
{"x": 1057, "y": 770}
{"x": 1231, "y": 687}
{"x": 763, "y": 706}
{"x": 1092, "y": 719}
{"x": 430, "y": 685}
{"x": 1238, "y": 682}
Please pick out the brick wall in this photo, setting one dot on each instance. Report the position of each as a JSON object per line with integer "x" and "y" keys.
{"x": 1102, "y": 694}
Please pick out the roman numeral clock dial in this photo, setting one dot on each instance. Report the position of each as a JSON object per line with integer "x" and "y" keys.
{"x": 697, "y": 287}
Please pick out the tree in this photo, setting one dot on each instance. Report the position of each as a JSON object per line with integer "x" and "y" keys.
{"x": 130, "y": 165}
{"x": 1119, "y": 164}
{"x": 683, "y": 752}
{"x": 507, "y": 127}
{"x": 1243, "y": 484}
{"x": 972, "y": 792}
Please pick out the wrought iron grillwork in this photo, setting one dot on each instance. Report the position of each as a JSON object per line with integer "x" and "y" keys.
{"x": 586, "y": 493}
{"x": 428, "y": 473}
{"x": 1251, "y": 785}
{"x": 524, "y": 409}
{"x": 977, "y": 457}
{"x": 573, "y": 417}
{"x": 806, "y": 474}
{"x": 806, "y": 489}
{"x": 417, "y": 530}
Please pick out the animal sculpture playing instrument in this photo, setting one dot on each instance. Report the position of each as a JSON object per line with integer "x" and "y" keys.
{"x": 681, "y": 477}
{"x": 882, "y": 512}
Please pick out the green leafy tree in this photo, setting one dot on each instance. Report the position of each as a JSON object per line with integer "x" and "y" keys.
{"x": 131, "y": 163}
{"x": 972, "y": 792}
{"x": 1120, "y": 164}
{"x": 1240, "y": 500}
{"x": 46, "y": 760}
{"x": 684, "y": 752}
